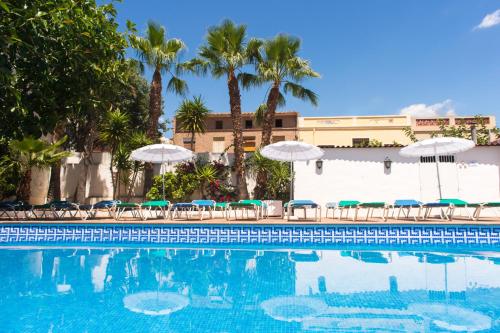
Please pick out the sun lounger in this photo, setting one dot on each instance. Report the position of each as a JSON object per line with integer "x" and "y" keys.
{"x": 13, "y": 209}
{"x": 341, "y": 206}
{"x": 244, "y": 206}
{"x": 370, "y": 209}
{"x": 104, "y": 205}
{"x": 406, "y": 206}
{"x": 200, "y": 206}
{"x": 59, "y": 209}
{"x": 123, "y": 207}
{"x": 444, "y": 209}
{"x": 457, "y": 203}
{"x": 486, "y": 205}
{"x": 304, "y": 205}
{"x": 261, "y": 205}
{"x": 222, "y": 207}
{"x": 155, "y": 209}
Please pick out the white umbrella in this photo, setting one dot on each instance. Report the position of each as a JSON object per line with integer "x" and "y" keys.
{"x": 435, "y": 147}
{"x": 290, "y": 151}
{"x": 161, "y": 153}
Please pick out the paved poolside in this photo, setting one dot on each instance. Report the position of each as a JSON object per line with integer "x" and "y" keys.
{"x": 269, "y": 221}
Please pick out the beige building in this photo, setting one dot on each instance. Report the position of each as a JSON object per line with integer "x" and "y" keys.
{"x": 219, "y": 132}
{"x": 359, "y": 130}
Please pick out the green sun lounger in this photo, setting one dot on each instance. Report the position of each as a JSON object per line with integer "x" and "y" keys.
{"x": 200, "y": 206}
{"x": 154, "y": 209}
{"x": 370, "y": 209}
{"x": 341, "y": 206}
{"x": 487, "y": 205}
{"x": 244, "y": 206}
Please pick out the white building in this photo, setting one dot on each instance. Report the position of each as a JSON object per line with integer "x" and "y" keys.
{"x": 361, "y": 174}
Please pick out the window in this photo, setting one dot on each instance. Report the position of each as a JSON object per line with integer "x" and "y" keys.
{"x": 187, "y": 140}
{"x": 278, "y": 123}
{"x": 360, "y": 142}
{"x": 218, "y": 145}
{"x": 442, "y": 159}
{"x": 219, "y": 124}
{"x": 248, "y": 124}
{"x": 249, "y": 143}
{"x": 278, "y": 139}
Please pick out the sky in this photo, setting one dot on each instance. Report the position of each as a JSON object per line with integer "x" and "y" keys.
{"x": 375, "y": 57}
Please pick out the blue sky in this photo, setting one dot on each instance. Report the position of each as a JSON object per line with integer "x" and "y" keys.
{"x": 375, "y": 57}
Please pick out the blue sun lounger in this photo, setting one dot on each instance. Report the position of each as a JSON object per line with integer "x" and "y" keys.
{"x": 200, "y": 206}
{"x": 291, "y": 205}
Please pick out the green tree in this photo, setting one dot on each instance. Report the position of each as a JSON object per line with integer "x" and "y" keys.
{"x": 161, "y": 54}
{"x": 206, "y": 174}
{"x": 277, "y": 174}
{"x": 61, "y": 64}
{"x": 225, "y": 54}
{"x": 114, "y": 131}
{"x": 280, "y": 66}
{"x": 28, "y": 153}
{"x": 192, "y": 115}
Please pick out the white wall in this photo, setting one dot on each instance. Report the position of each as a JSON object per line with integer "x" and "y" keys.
{"x": 359, "y": 174}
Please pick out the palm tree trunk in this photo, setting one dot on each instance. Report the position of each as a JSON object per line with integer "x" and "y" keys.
{"x": 152, "y": 132}
{"x": 235, "y": 105}
{"x": 24, "y": 189}
{"x": 192, "y": 141}
{"x": 113, "y": 175}
{"x": 267, "y": 132}
{"x": 269, "y": 115}
{"x": 54, "y": 192}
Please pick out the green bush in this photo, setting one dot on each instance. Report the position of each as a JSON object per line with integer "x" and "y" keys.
{"x": 178, "y": 186}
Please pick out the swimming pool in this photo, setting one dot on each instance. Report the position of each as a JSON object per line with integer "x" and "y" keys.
{"x": 116, "y": 289}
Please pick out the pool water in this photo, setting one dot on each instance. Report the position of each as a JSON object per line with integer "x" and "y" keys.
{"x": 203, "y": 290}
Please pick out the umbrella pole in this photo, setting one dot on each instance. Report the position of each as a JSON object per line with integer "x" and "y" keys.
{"x": 439, "y": 178}
{"x": 291, "y": 180}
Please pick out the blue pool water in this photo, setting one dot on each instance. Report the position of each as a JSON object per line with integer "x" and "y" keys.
{"x": 203, "y": 290}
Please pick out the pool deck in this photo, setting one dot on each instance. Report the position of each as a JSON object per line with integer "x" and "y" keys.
{"x": 268, "y": 221}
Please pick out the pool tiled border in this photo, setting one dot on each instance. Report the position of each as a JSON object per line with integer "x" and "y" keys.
{"x": 269, "y": 235}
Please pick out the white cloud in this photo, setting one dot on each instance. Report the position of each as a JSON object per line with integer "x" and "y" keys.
{"x": 444, "y": 108}
{"x": 490, "y": 20}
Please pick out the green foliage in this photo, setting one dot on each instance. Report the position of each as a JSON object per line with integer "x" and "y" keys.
{"x": 59, "y": 61}
{"x": 178, "y": 186}
{"x": 408, "y": 131}
{"x": 278, "y": 176}
{"x": 191, "y": 116}
{"x": 206, "y": 174}
{"x": 30, "y": 152}
{"x": 115, "y": 128}
{"x": 161, "y": 54}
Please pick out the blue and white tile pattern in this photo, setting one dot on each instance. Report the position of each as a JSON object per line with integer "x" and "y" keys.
{"x": 12, "y": 234}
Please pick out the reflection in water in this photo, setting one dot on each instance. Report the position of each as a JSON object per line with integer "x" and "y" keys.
{"x": 181, "y": 290}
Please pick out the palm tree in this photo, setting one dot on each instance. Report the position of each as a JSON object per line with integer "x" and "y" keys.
{"x": 30, "y": 152}
{"x": 225, "y": 54}
{"x": 206, "y": 174}
{"x": 279, "y": 65}
{"x": 161, "y": 54}
{"x": 114, "y": 131}
{"x": 191, "y": 116}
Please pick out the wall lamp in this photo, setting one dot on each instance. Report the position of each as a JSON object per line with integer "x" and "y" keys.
{"x": 319, "y": 164}
{"x": 387, "y": 163}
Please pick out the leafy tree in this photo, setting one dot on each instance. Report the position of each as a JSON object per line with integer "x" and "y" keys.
{"x": 277, "y": 174}
{"x": 161, "y": 54}
{"x": 206, "y": 174}
{"x": 113, "y": 132}
{"x": 62, "y": 64}
{"x": 192, "y": 115}
{"x": 28, "y": 153}
{"x": 225, "y": 54}
{"x": 280, "y": 66}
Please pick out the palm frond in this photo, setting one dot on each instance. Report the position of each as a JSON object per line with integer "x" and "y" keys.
{"x": 248, "y": 80}
{"x": 177, "y": 85}
{"x": 260, "y": 113}
{"x": 300, "y": 92}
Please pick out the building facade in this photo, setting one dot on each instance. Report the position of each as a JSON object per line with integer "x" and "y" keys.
{"x": 388, "y": 129}
{"x": 218, "y": 137}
